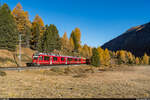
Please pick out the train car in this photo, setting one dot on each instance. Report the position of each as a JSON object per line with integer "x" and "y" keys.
{"x": 40, "y": 59}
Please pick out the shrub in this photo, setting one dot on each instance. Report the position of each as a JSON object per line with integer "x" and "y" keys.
{"x": 79, "y": 75}
{"x": 2, "y": 73}
{"x": 57, "y": 70}
{"x": 6, "y": 59}
{"x": 67, "y": 70}
{"x": 95, "y": 60}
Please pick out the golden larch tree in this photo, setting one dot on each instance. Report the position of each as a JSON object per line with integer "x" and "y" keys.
{"x": 101, "y": 55}
{"x": 107, "y": 57}
{"x": 122, "y": 56}
{"x": 85, "y": 51}
{"x": 76, "y": 39}
{"x": 66, "y": 45}
{"x": 71, "y": 43}
{"x": 130, "y": 58}
{"x": 21, "y": 17}
{"x": 78, "y": 36}
{"x": 114, "y": 54}
{"x": 38, "y": 20}
{"x": 137, "y": 61}
{"x": 145, "y": 59}
{"x": 90, "y": 52}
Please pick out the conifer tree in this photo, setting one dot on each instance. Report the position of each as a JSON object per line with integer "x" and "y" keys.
{"x": 137, "y": 61}
{"x": 101, "y": 55}
{"x": 145, "y": 59}
{"x": 71, "y": 42}
{"x": 23, "y": 24}
{"x": 106, "y": 57}
{"x": 8, "y": 29}
{"x": 36, "y": 36}
{"x": 76, "y": 39}
{"x": 117, "y": 54}
{"x": 95, "y": 61}
{"x": 85, "y": 51}
{"x": 21, "y": 18}
{"x": 111, "y": 54}
{"x": 66, "y": 46}
{"x": 52, "y": 39}
{"x": 42, "y": 40}
{"x": 65, "y": 42}
{"x": 130, "y": 58}
{"x": 114, "y": 54}
{"x": 122, "y": 57}
{"x": 90, "y": 52}
{"x": 38, "y": 20}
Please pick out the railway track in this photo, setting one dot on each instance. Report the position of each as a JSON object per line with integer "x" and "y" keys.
{"x": 34, "y": 67}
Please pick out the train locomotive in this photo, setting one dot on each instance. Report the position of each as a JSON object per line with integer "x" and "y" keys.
{"x": 46, "y": 59}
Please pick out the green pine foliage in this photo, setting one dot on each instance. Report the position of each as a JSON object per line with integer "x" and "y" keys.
{"x": 36, "y": 36}
{"x": 42, "y": 40}
{"x": 51, "y": 39}
{"x": 8, "y": 29}
{"x": 95, "y": 60}
{"x": 27, "y": 36}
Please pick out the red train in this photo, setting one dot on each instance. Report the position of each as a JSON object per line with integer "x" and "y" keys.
{"x": 52, "y": 59}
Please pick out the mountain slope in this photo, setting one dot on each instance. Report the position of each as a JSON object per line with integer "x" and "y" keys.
{"x": 136, "y": 40}
{"x": 7, "y": 58}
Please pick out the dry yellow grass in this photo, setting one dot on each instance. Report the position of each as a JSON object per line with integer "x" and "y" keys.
{"x": 126, "y": 82}
{"x": 7, "y": 59}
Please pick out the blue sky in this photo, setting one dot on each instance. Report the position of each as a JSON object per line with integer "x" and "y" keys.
{"x": 98, "y": 20}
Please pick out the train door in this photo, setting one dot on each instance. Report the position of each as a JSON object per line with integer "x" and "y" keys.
{"x": 40, "y": 60}
{"x": 51, "y": 60}
{"x": 59, "y": 60}
{"x": 70, "y": 60}
{"x": 78, "y": 60}
{"x": 46, "y": 60}
{"x": 63, "y": 60}
{"x": 75, "y": 61}
{"x": 55, "y": 60}
{"x": 84, "y": 61}
{"x": 81, "y": 60}
{"x": 66, "y": 60}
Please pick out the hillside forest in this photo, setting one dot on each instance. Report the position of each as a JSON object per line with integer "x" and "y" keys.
{"x": 45, "y": 38}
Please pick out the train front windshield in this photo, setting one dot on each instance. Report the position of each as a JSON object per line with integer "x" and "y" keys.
{"x": 35, "y": 58}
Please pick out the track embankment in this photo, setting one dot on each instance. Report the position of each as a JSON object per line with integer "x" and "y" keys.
{"x": 34, "y": 67}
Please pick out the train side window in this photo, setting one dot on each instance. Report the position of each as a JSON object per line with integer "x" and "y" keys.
{"x": 69, "y": 59}
{"x": 62, "y": 59}
{"x": 40, "y": 58}
{"x": 76, "y": 59}
{"x": 46, "y": 58}
{"x": 54, "y": 58}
